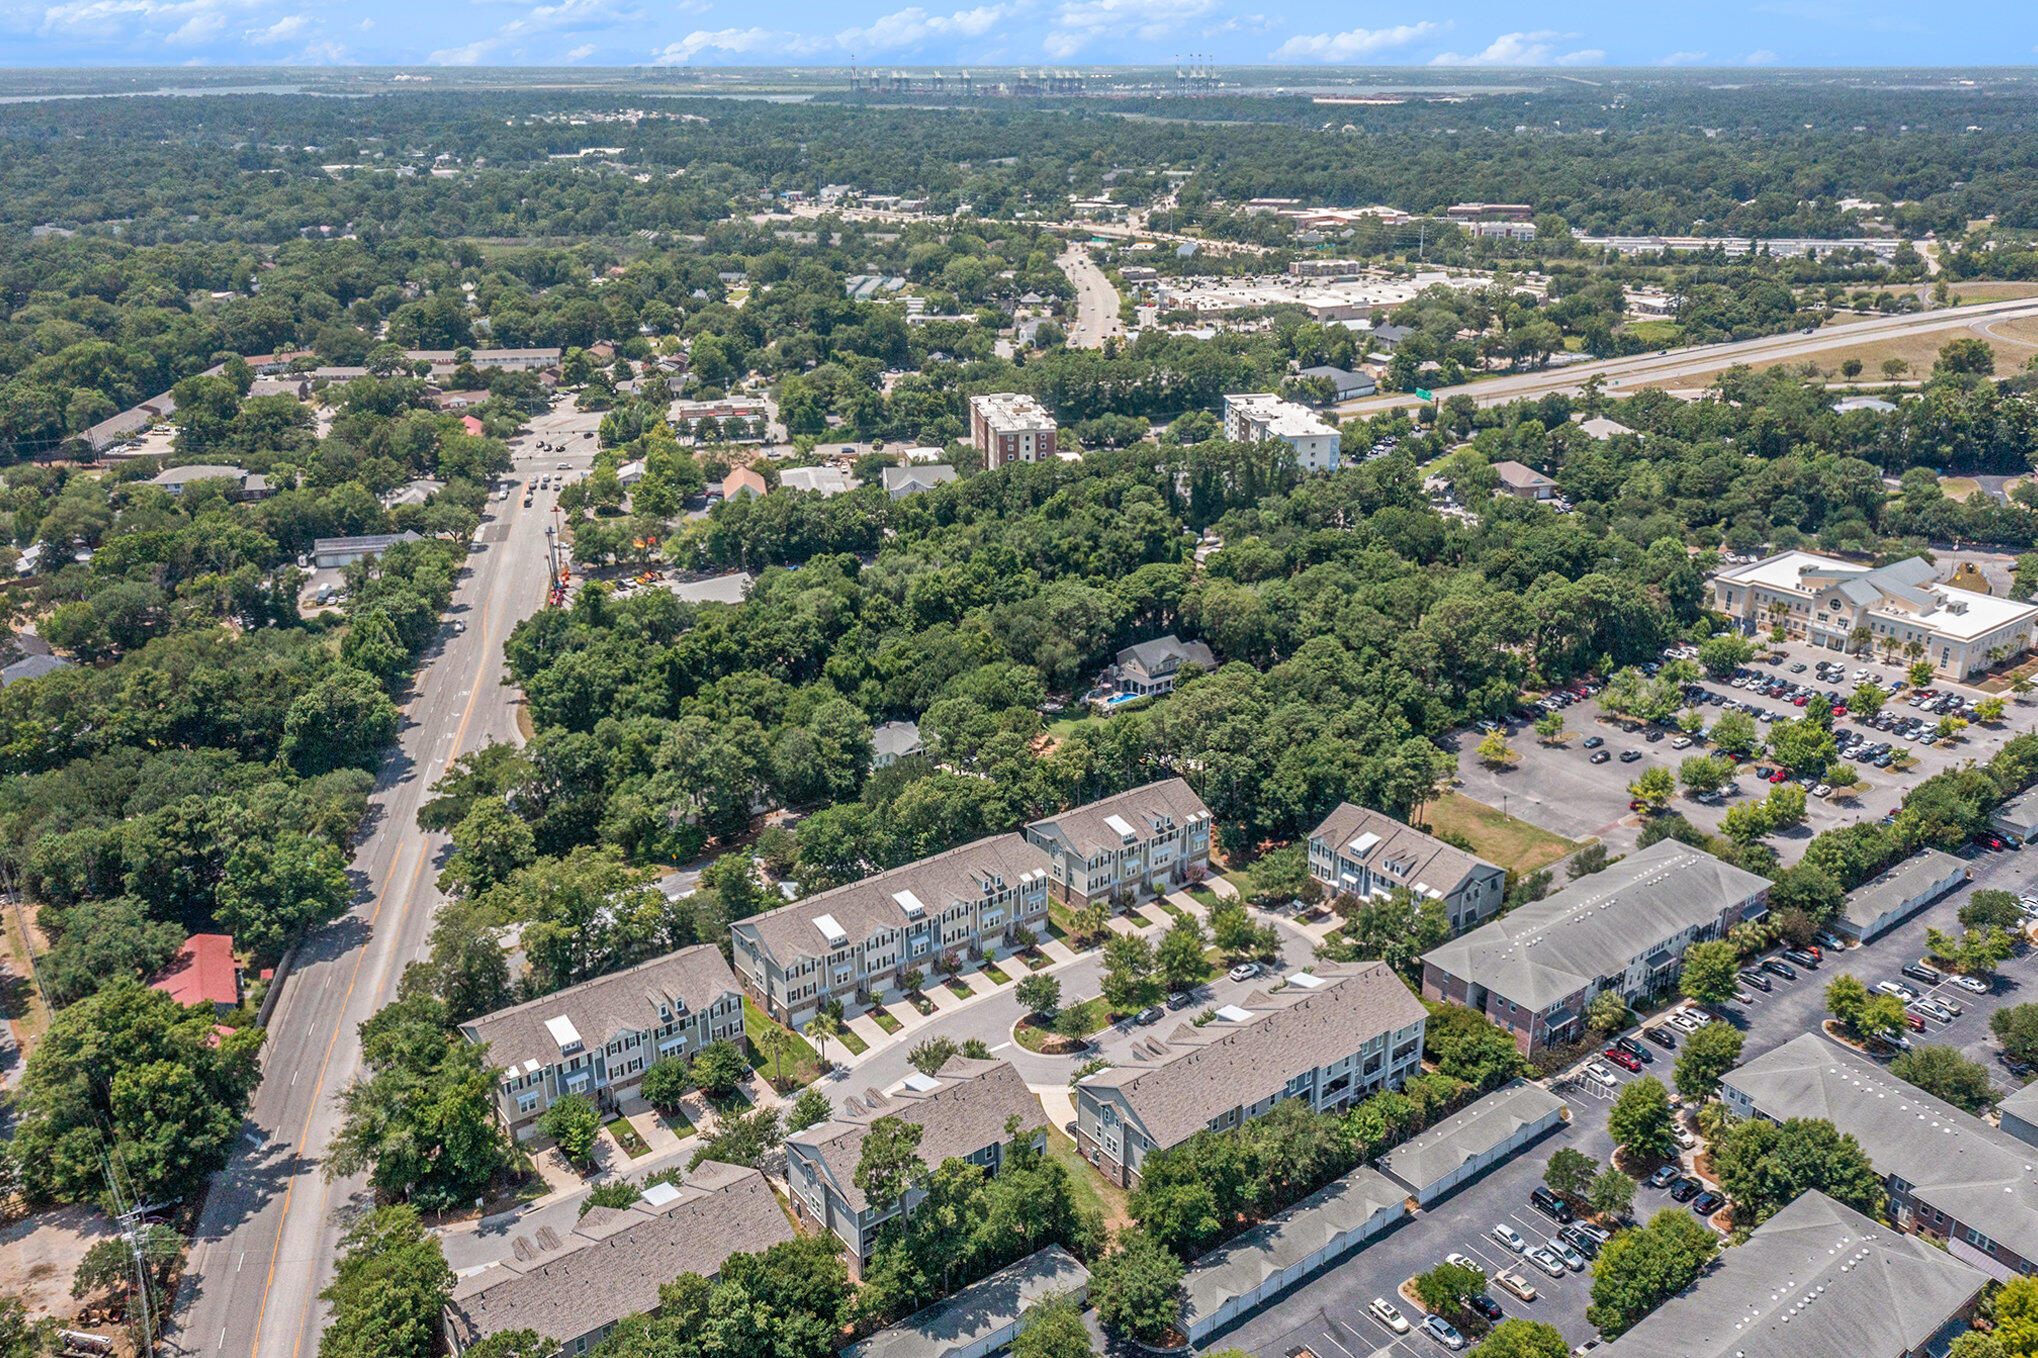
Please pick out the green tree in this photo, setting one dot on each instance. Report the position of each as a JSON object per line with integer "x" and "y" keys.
{"x": 1867, "y": 699}
{"x": 1707, "y": 1055}
{"x": 1550, "y": 726}
{"x": 1518, "y": 1338}
{"x": 1612, "y": 1193}
{"x": 1785, "y": 806}
{"x": 1747, "y": 822}
{"x": 1129, "y": 980}
{"x": 1607, "y": 1014}
{"x": 889, "y": 1165}
{"x": 1641, "y": 1119}
{"x": 1138, "y": 1289}
{"x": 1494, "y": 750}
{"x": 1447, "y": 1287}
{"x": 932, "y": 1054}
{"x": 573, "y": 1123}
{"x": 810, "y": 1108}
{"x": 1704, "y": 772}
{"x": 1039, "y": 994}
{"x": 1764, "y": 1167}
{"x": 719, "y": 1069}
{"x": 1640, "y": 1269}
{"x": 1180, "y": 956}
{"x": 1944, "y": 1073}
{"x": 1736, "y": 733}
{"x": 343, "y": 721}
{"x": 1711, "y": 972}
{"x": 1569, "y": 1173}
{"x": 1053, "y": 1328}
{"x": 1654, "y": 787}
{"x": 516, "y": 1343}
{"x": 389, "y": 1289}
{"x": 1465, "y": 1045}
{"x": 2016, "y": 1027}
{"x": 274, "y": 889}
{"x": 1990, "y": 909}
{"x": 666, "y": 1082}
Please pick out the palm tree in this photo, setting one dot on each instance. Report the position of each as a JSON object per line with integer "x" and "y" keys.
{"x": 1859, "y": 639}
{"x": 776, "y": 1042}
{"x": 823, "y": 1027}
{"x": 1914, "y": 649}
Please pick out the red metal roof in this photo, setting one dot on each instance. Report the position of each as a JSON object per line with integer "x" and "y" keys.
{"x": 203, "y": 972}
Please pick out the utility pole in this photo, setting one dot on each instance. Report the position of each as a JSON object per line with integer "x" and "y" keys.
{"x": 130, "y": 1218}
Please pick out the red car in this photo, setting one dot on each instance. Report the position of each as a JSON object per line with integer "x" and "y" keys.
{"x": 1622, "y": 1059}
{"x": 1840, "y": 711}
{"x": 1813, "y": 949}
{"x": 1637, "y": 804}
{"x": 1798, "y": 701}
{"x": 1917, "y": 1021}
{"x": 1780, "y": 776}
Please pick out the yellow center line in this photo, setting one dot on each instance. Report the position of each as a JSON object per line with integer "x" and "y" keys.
{"x": 304, "y": 1136}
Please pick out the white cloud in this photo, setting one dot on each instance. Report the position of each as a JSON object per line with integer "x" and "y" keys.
{"x": 735, "y": 42}
{"x": 1509, "y": 49}
{"x": 138, "y": 22}
{"x": 1761, "y": 56}
{"x": 283, "y": 30}
{"x": 913, "y": 26}
{"x": 581, "y": 52}
{"x": 1682, "y": 59}
{"x": 1247, "y": 23}
{"x": 1349, "y": 46}
{"x": 566, "y": 15}
{"x": 1587, "y": 56}
{"x": 1077, "y": 23}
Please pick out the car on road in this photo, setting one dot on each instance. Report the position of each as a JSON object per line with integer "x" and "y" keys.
{"x": 1685, "y": 1138}
{"x": 562, "y": 466}
{"x": 1441, "y": 1330}
{"x": 1515, "y": 1285}
{"x": 1573, "y": 1260}
{"x": 1547, "y": 1262}
{"x": 1662, "y": 1037}
{"x": 1244, "y": 971}
{"x": 1509, "y": 1237}
{"x": 1705, "y": 1204}
{"x": 1389, "y": 1315}
{"x": 1150, "y": 1015}
{"x": 1622, "y": 1059}
{"x": 1485, "y": 1308}
{"x": 1664, "y": 1176}
{"x": 1972, "y": 984}
{"x": 1685, "y": 1189}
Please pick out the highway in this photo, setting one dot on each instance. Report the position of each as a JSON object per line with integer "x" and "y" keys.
{"x": 1096, "y": 301}
{"x": 1624, "y": 375}
{"x": 272, "y": 1223}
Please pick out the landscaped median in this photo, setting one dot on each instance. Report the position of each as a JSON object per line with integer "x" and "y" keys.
{"x": 1056, "y": 1037}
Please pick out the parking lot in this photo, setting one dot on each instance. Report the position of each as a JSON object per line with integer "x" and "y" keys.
{"x": 1328, "y": 1314}
{"x": 1559, "y": 788}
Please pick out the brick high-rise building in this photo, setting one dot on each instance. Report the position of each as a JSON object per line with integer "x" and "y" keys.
{"x": 1010, "y": 427}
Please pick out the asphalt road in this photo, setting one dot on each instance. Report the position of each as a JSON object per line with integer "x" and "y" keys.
{"x": 1623, "y": 375}
{"x": 267, "y": 1239}
{"x": 1096, "y": 301}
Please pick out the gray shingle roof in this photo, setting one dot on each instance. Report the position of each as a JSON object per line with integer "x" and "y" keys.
{"x": 896, "y": 738}
{"x": 978, "y": 1312}
{"x": 910, "y": 480}
{"x": 1403, "y": 854}
{"x": 1870, "y": 901}
{"x": 32, "y": 667}
{"x": 965, "y": 1111}
{"x": 867, "y": 907}
{"x": 1817, "y": 1280}
{"x": 198, "y": 471}
{"x": 1276, "y": 1245}
{"x": 1980, "y": 1175}
{"x": 621, "y": 1001}
{"x": 1468, "y": 1134}
{"x": 1555, "y": 947}
{"x": 1151, "y": 656}
{"x": 1083, "y": 830}
{"x": 1520, "y": 474}
{"x": 613, "y": 1263}
{"x": 1310, "y": 1023}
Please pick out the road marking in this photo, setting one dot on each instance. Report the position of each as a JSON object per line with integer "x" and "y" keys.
{"x": 1001, "y": 1046}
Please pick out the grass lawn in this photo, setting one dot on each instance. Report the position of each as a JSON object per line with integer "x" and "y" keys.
{"x": 960, "y": 986}
{"x": 678, "y": 1123}
{"x": 1096, "y": 1017}
{"x": 995, "y": 973}
{"x": 850, "y": 1040}
{"x": 628, "y": 1138}
{"x": 1034, "y": 960}
{"x": 1092, "y": 1188}
{"x": 1202, "y": 895}
{"x": 1654, "y": 332}
{"x": 884, "y": 1020}
{"x": 1958, "y": 487}
{"x": 802, "y": 1063}
{"x": 1511, "y": 842}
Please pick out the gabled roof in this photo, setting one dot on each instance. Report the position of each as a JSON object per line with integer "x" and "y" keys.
{"x": 1150, "y": 656}
{"x": 1239, "y": 1267}
{"x": 32, "y": 667}
{"x": 1922, "y": 870}
{"x": 203, "y": 972}
{"x": 883, "y": 902}
{"x": 1466, "y": 1135}
{"x": 1399, "y": 852}
{"x": 1103, "y": 826}
{"x": 1980, "y": 1175}
{"x": 925, "y": 476}
{"x": 595, "y": 1011}
{"x": 896, "y": 738}
{"x": 1316, "y": 1019}
{"x": 1817, "y": 1280}
{"x": 968, "y": 1319}
{"x": 960, "y": 1110}
{"x": 613, "y": 1263}
{"x": 1522, "y": 476}
{"x": 1550, "y": 949}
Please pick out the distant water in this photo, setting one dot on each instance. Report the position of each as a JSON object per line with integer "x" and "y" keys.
{"x": 190, "y": 92}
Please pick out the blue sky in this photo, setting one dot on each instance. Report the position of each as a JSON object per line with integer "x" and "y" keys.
{"x": 1580, "y": 33}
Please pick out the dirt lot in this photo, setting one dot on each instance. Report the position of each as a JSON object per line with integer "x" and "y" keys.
{"x": 39, "y": 1255}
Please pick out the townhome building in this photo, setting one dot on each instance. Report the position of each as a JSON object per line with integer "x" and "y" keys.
{"x": 1950, "y": 1176}
{"x": 1143, "y": 842}
{"x": 1902, "y": 609}
{"x": 1333, "y": 1037}
{"x": 573, "y": 1283}
{"x": 855, "y": 942}
{"x": 1817, "y": 1280}
{"x": 1365, "y": 853}
{"x": 1623, "y": 929}
{"x": 962, "y": 1111}
{"x": 598, "y": 1038}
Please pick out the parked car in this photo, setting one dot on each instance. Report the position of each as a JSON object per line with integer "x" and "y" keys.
{"x": 1601, "y": 1074}
{"x": 1150, "y": 1015}
{"x": 1662, "y": 1037}
{"x": 1560, "y": 1247}
{"x": 1551, "y": 1206}
{"x": 1974, "y": 985}
{"x": 1594, "y": 742}
{"x": 1758, "y": 980}
{"x": 1622, "y": 1059}
{"x": 1636, "y": 1050}
{"x": 1509, "y": 1237}
{"x": 1486, "y": 1308}
{"x": 1580, "y": 1240}
{"x": 1664, "y": 1176}
{"x": 1600, "y": 757}
{"x": 1918, "y": 971}
{"x": 1705, "y": 1204}
{"x": 1804, "y": 957}
{"x": 1389, "y": 1315}
{"x": 1515, "y": 1286}
{"x": 1916, "y": 1022}
{"x": 1685, "y": 1189}
{"x": 1547, "y": 1262}
{"x": 1780, "y": 968}
{"x": 1245, "y": 971}
{"x": 1681, "y": 743}
{"x": 1897, "y": 988}
{"x": 1935, "y": 1009}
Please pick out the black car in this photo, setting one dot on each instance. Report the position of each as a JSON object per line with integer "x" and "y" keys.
{"x": 1654, "y": 736}
{"x": 1662, "y": 1037}
{"x": 1552, "y": 1206}
{"x": 1151, "y": 1014}
{"x": 1485, "y": 1306}
{"x": 1756, "y": 979}
{"x": 1594, "y": 742}
{"x": 1705, "y": 1204}
{"x": 1665, "y": 1176}
{"x": 1636, "y": 1050}
{"x": 1600, "y": 756}
{"x": 1780, "y": 968}
{"x": 1686, "y": 1188}
{"x": 1918, "y": 971}
{"x": 1801, "y": 957}
{"x": 1585, "y": 1242}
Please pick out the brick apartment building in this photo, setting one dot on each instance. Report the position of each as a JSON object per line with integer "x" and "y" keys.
{"x": 1011, "y": 427}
